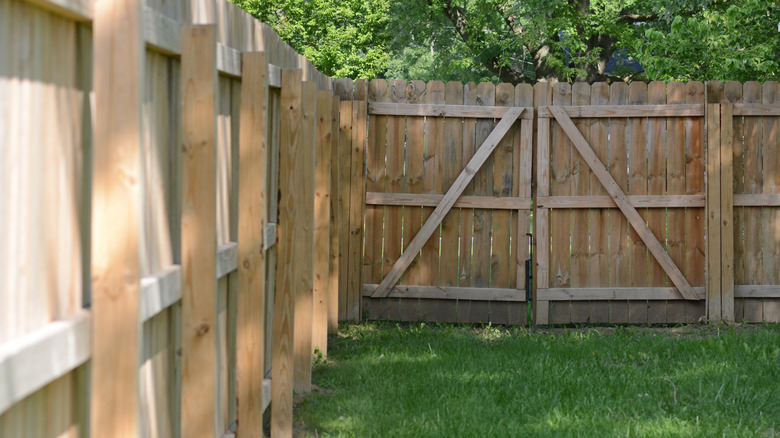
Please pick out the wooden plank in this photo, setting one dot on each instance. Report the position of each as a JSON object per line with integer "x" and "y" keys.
{"x": 756, "y": 109}
{"x": 304, "y": 239}
{"x": 524, "y": 159}
{"x": 252, "y": 219}
{"x": 375, "y": 179}
{"x": 431, "y": 183}
{"x": 732, "y": 91}
{"x": 344, "y": 162}
{"x": 441, "y": 110}
{"x": 228, "y": 61}
{"x": 675, "y": 185}
{"x": 560, "y": 220}
{"x": 396, "y": 137}
{"x": 637, "y": 185}
{"x": 770, "y": 217}
{"x": 429, "y": 200}
{"x": 656, "y": 185}
{"x": 451, "y": 165}
{"x": 199, "y": 228}
{"x": 322, "y": 215}
{"x": 160, "y": 291}
{"x": 356, "y": 209}
{"x": 287, "y": 284}
{"x": 42, "y": 356}
{"x": 78, "y": 10}
{"x": 115, "y": 218}
{"x": 502, "y": 265}
{"x": 756, "y": 291}
{"x": 713, "y": 213}
{"x": 618, "y": 224}
{"x": 333, "y": 265}
{"x": 604, "y": 201}
{"x": 580, "y": 235}
{"x": 634, "y": 110}
{"x": 227, "y": 259}
{"x": 542, "y": 96}
{"x": 633, "y": 216}
{"x": 467, "y": 215}
{"x": 694, "y": 185}
{"x": 617, "y": 293}
{"x": 449, "y": 200}
{"x": 160, "y": 32}
{"x": 726, "y": 213}
{"x": 753, "y": 309}
{"x": 450, "y": 293}
{"x": 483, "y": 185}
{"x": 415, "y": 152}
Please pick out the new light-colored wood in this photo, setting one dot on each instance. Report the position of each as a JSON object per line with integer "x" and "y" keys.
{"x": 357, "y": 194}
{"x": 160, "y": 291}
{"x": 252, "y": 219}
{"x": 287, "y": 284}
{"x": 430, "y": 200}
{"x": 322, "y": 221}
{"x": 713, "y": 213}
{"x": 199, "y": 232}
{"x": 726, "y": 212}
{"x": 440, "y": 110}
{"x": 635, "y": 110}
{"x": 344, "y": 162}
{"x": 304, "y": 239}
{"x": 333, "y": 266}
{"x": 115, "y": 218}
{"x": 450, "y": 293}
{"x": 447, "y": 202}
{"x": 628, "y": 210}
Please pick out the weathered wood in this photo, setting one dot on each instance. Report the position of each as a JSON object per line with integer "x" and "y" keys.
{"x": 375, "y": 180}
{"x": 483, "y": 220}
{"x": 524, "y": 159}
{"x": 115, "y": 215}
{"x": 333, "y": 266}
{"x": 451, "y": 165}
{"x": 617, "y": 223}
{"x": 726, "y": 212}
{"x": 502, "y": 265}
{"x": 616, "y": 293}
{"x": 252, "y": 218}
{"x": 430, "y": 200}
{"x": 447, "y": 202}
{"x": 675, "y": 185}
{"x": 322, "y": 215}
{"x": 613, "y": 111}
{"x": 628, "y": 210}
{"x": 580, "y": 233}
{"x": 637, "y": 185}
{"x": 356, "y": 208}
{"x": 638, "y": 201}
{"x": 560, "y": 220}
{"x": 431, "y": 183}
{"x": 770, "y": 217}
{"x": 344, "y": 174}
{"x": 413, "y": 177}
{"x": 542, "y": 96}
{"x": 756, "y": 291}
{"x": 466, "y": 215}
{"x": 756, "y": 109}
{"x": 753, "y": 309}
{"x": 199, "y": 228}
{"x": 450, "y": 293}
{"x": 713, "y": 213}
{"x": 287, "y": 284}
{"x": 695, "y": 223}
{"x": 441, "y": 110}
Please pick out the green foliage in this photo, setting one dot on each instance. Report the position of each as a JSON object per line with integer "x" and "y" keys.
{"x": 428, "y": 380}
{"x": 342, "y": 38}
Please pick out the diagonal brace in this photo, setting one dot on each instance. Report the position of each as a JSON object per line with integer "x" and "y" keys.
{"x": 623, "y": 203}
{"x": 447, "y": 202}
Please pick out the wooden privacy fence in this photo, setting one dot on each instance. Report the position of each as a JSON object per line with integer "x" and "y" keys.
{"x": 165, "y": 220}
{"x": 652, "y": 203}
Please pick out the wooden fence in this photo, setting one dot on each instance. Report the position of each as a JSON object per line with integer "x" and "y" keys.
{"x": 652, "y": 203}
{"x": 149, "y": 151}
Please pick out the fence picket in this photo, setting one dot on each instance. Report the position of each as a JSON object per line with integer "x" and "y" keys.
{"x": 560, "y": 219}
{"x": 580, "y": 179}
{"x": 598, "y": 264}
{"x": 675, "y": 185}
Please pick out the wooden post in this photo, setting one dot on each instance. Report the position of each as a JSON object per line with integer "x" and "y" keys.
{"x": 252, "y": 218}
{"x": 286, "y": 281}
{"x": 333, "y": 288}
{"x": 322, "y": 221}
{"x": 713, "y": 213}
{"x": 199, "y": 231}
{"x": 304, "y": 238}
{"x": 727, "y": 212}
{"x": 541, "y": 309}
{"x": 118, "y": 72}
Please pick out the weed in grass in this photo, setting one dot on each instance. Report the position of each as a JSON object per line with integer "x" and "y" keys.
{"x": 423, "y": 380}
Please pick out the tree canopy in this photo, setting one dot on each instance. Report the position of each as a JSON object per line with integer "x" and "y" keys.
{"x": 530, "y": 40}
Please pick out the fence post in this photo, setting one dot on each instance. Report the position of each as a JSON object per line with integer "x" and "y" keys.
{"x": 727, "y": 211}
{"x": 541, "y": 308}
{"x": 252, "y": 218}
{"x": 118, "y": 86}
{"x": 713, "y": 212}
{"x": 322, "y": 221}
{"x": 199, "y": 236}
{"x": 333, "y": 288}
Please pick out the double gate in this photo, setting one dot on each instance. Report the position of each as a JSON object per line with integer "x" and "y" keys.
{"x": 650, "y": 203}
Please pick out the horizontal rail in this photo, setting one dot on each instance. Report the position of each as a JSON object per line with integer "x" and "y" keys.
{"x": 228, "y": 61}
{"x": 32, "y": 361}
{"x": 78, "y": 10}
{"x": 756, "y": 291}
{"x": 227, "y": 259}
{"x": 756, "y": 109}
{"x": 442, "y": 110}
{"x": 605, "y": 201}
{"x": 614, "y": 293}
{"x": 430, "y": 200}
{"x": 450, "y": 293}
{"x": 161, "y": 32}
{"x": 160, "y": 291}
{"x": 761, "y": 200}
{"x": 601, "y": 111}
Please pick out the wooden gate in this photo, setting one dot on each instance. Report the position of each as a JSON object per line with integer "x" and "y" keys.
{"x": 467, "y": 262}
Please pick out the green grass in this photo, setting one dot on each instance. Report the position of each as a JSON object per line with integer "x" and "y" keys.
{"x": 389, "y": 380}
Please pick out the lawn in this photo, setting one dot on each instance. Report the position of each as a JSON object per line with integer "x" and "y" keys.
{"x": 423, "y": 380}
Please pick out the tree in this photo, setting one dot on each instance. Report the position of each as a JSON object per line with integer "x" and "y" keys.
{"x": 345, "y": 38}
